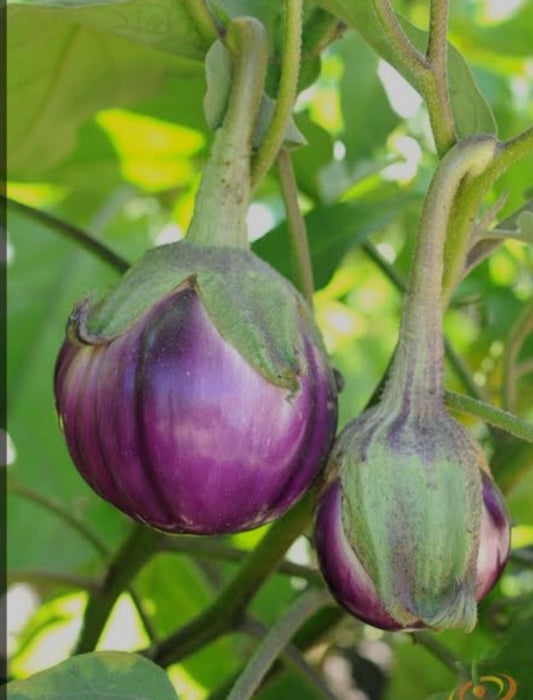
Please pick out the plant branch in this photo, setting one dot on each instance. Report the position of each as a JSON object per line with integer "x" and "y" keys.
{"x": 274, "y": 642}
{"x": 296, "y": 226}
{"x": 204, "y": 20}
{"x": 436, "y": 86}
{"x": 492, "y": 415}
{"x": 440, "y": 652}
{"x": 72, "y": 233}
{"x": 288, "y": 85}
{"x": 400, "y": 42}
{"x": 311, "y": 632}
{"x": 467, "y": 205}
{"x": 292, "y": 658}
{"x": 228, "y": 609}
{"x": 141, "y": 544}
{"x": 37, "y": 577}
{"x": 399, "y": 282}
{"x": 211, "y": 549}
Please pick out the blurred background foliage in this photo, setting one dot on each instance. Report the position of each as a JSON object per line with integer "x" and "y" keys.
{"x": 106, "y": 130}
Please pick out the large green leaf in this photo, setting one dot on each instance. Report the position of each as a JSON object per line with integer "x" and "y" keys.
{"x": 108, "y": 674}
{"x": 332, "y": 231}
{"x": 472, "y": 112}
{"x": 84, "y": 58}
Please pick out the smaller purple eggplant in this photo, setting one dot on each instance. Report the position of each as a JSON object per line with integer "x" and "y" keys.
{"x": 411, "y": 531}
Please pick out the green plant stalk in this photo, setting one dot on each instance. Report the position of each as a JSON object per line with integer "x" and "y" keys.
{"x": 293, "y": 659}
{"x": 437, "y": 93}
{"x": 139, "y": 547}
{"x": 456, "y": 362}
{"x": 72, "y": 233}
{"x": 296, "y": 225}
{"x": 203, "y": 19}
{"x": 228, "y": 610}
{"x": 274, "y": 642}
{"x": 201, "y": 547}
{"x": 288, "y": 85}
{"x": 37, "y": 577}
{"x": 428, "y": 70}
{"x": 490, "y": 414}
{"x": 418, "y": 367}
{"x": 223, "y": 198}
{"x": 468, "y": 204}
{"x": 399, "y": 41}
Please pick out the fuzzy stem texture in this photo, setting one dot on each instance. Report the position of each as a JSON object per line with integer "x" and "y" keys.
{"x": 417, "y": 373}
{"x": 290, "y": 71}
{"x": 224, "y": 196}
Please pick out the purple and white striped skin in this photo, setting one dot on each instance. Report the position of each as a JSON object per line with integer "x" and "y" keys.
{"x": 351, "y": 585}
{"x": 173, "y": 426}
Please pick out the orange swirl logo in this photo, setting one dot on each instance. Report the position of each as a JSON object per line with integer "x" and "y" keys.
{"x": 502, "y": 684}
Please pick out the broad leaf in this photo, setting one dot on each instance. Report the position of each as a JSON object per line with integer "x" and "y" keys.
{"x": 107, "y": 674}
{"x": 367, "y": 115}
{"x": 332, "y": 231}
{"x": 82, "y": 59}
{"x": 472, "y": 112}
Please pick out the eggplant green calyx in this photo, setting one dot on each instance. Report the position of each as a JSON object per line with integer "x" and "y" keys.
{"x": 223, "y": 199}
{"x": 254, "y": 308}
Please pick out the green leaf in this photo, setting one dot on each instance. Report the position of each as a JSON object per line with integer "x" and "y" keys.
{"x": 309, "y": 162}
{"x": 332, "y": 231}
{"x": 368, "y": 116}
{"x": 107, "y": 674}
{"x": 472, "y": 112}
{"x": 83, "y": 59}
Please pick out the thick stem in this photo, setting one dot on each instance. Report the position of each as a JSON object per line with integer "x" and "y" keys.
{"x": 274, "y": 643}
{"x": 133, "y": 555}
{"x": 490, "y": 414}
{"x": 288, "y": 85}
{"x": 224, "y": 195}
{"x": 417, "y": 372}
{"x": 400, "y": 42}
{"x": 229, "y": 608}
{"x": 292, "y": 659}
{"x": 296, "y": 225}
{"x": 436, "y": 84}
{"x": 203, "y": 19}
{"x": 207, "y": 548}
